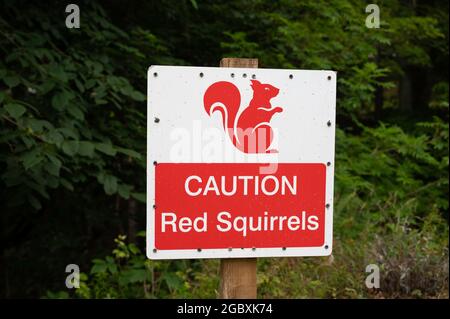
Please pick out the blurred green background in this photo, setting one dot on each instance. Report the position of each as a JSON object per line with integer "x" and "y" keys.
{"x": 73, "y": 142}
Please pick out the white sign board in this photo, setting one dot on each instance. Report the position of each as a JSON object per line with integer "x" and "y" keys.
{"x": 240, "y": 162}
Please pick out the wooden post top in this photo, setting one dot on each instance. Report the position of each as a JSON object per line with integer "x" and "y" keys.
{"x": 238, "y": 63}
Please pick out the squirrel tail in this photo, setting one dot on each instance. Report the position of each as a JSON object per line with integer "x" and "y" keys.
{"x": 224, "y": 97}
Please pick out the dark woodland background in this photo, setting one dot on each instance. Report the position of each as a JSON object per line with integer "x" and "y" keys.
{"x": 73, "y": 142}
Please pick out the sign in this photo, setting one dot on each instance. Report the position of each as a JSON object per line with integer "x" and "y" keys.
{"x": 240, "y": 162}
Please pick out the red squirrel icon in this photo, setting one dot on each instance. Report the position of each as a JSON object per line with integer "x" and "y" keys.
{"x": 250, "y": 131}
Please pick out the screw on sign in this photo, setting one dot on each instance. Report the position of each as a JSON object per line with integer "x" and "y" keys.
{"x": 239, "y": 166}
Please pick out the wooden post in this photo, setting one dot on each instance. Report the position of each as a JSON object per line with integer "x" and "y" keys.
{"x": 238, "y": 275}
{"x": 238, "y": 63}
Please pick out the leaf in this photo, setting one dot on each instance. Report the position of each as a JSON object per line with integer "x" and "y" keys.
{"x": 11, "y": 80}
{"x": 76, "y": 112}
{"x": 68, "y": 185}
{"x": 129, "y": 152}
{"x": 80, "y": 86}
{"x": 99, "y": 266}
{"x": 53, "y": 166}
{"x": 29, "y": 142}
{"x": 58, "y": 72}
{"x": 61, "y": 99}
{"x": 31, "y": 159}
{"x": 124, "y": 191}
{"x": 194, "y": 4}
{"x": 133, "y": 249}
{"x": 39, "y": 125}
{"x": 111, "y": 265}
{"x": 172, "y": 280}
{"x": 132, "y": 276}
{"x": 138, "y": 96}
{"x": 141, "y": 233}
{"x": 112, "y": 268}
{"x": 69, "y": 132}
{"x": 15, "y": 110}
{"x": 109, "y": 259}
{"x": 52, "y": 181}
{"x": 46, "y": 87}
{"x": 139, "y": 197}
{"x": 101, "y": 177}
{"x": 2, "y": 96}
{"x": 70, "y": 147}
{"x": 101, "y": 101}
{"x": 54, "y": 137}
{"x": 110, "y": 184}
{"x": 90, "y": 83}
{"x": 106, "y": 148}
{"x": 86, "y": 149}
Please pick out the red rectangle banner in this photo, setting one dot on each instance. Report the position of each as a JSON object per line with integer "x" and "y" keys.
{"x": 204, "y": 206}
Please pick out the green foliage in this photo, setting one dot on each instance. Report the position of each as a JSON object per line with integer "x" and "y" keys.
{"x": 91, "y": 115}
{"x": 385, "y": 162}
{"x": 128, "y": 274}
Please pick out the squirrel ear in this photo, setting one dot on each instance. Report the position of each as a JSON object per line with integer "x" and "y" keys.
{"x": 255, "y": 82}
